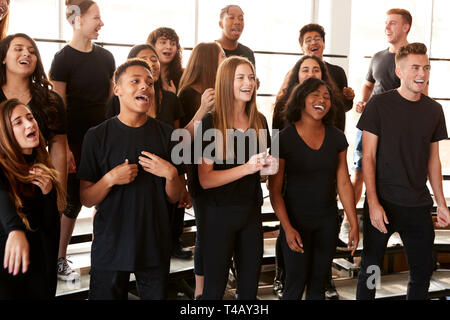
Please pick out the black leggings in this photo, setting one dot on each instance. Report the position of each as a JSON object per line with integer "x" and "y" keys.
{"x": 232, "y": 231}
{"x": 415, "y": 226}
{"x": 73, "y": 206}
{"x": 311, "y": 268}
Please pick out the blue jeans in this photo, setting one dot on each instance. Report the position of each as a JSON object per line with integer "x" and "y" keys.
{"x": 357, "y": 155}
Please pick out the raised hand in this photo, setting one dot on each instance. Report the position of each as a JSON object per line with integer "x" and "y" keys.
{"x": 44, "y": 183}
{"x": 169, "y": 86}
{"x": 360, "y": 106}
{"x": 207, "y": 101}
{"x": 348, "y": 93}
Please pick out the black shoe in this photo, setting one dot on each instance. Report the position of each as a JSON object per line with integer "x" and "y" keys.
{"x": 181, "y": 253}
{"x": 278, "y": 288}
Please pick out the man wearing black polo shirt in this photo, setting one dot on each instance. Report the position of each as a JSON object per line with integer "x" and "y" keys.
{"x": 401, "y": 133}
{"x": 126, "y": 173}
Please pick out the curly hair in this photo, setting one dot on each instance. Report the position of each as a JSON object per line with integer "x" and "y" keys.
{"x": 296, "y": 101}
{"x": 176, "y": 66}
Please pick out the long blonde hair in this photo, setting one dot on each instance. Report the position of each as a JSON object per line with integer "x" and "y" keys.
{"x": 16, "y": 169}
{"x": 224, "y": 102}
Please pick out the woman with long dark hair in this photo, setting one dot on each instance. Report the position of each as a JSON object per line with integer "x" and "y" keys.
{"x": 31, "y": 197}
{"x": 306, "y": 67}
{"x": 22, "y": 77}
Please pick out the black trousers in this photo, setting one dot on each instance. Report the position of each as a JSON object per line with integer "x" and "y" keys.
{"x": 415, "y": 226}
{"x": 311, "y": 268}
{"x": 177, "y": 224}
{"x": 73, "y": 207}
{"x": 199, "y": 208}
{"x": 114, "y": 285}
{"x": 232, "y": 231}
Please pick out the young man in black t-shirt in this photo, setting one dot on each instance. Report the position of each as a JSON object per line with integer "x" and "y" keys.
{"x": 381, "y": 77}
{"x": 401, "y": 133}
{"x": 232, "y": 24}
{"x": 125, "y": 171}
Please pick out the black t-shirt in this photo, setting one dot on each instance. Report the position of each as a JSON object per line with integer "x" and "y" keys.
{"x": 241, "y": 51}
{"x": 88, "y": 78}
{"x": 337, "y": 74}
{"x": 51, "y": 120}
{"x": 382, "y": 72}
{"x": 310, "y": 189}
{"x": 171, "y": 109}
{"x": 190, "y": 100}
{"x": 131, "y": 226}
{"x": 245, "y": 191}
{"x": 405, "y": 130}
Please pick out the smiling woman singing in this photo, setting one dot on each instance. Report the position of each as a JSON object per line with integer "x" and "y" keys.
{"x": 313, "y": 162}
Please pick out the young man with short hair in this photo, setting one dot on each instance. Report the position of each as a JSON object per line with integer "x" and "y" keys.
{"x": 380, "y": 78}
{"x": 401, "y": 133}
{"x": 126, "y": 173}
{"x": 232, "y": 24}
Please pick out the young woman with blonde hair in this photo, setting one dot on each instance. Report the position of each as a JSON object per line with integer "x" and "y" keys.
{"x": 230, "y": 177}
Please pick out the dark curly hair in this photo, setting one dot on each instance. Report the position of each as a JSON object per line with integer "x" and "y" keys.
{"x": 296, "y": 102}
{"x": 311, "y": 28}
{"x": 176, "y": 66}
